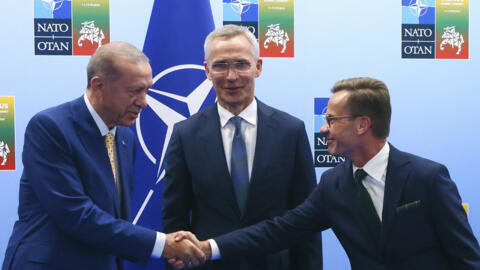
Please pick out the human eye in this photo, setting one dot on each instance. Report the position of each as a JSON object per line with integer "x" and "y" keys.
{"x": 219, "y": 66}
{"x": 242, "y": 65}
{"x": 329, "y": 118}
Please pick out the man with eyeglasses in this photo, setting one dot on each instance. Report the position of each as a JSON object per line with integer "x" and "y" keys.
{"x": 391, "y": 210}
{"x": 239, "y": 161}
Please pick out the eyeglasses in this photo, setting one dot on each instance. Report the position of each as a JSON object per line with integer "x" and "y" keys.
{"x": 328, "y": 118}
{"x": 221, "y": 68}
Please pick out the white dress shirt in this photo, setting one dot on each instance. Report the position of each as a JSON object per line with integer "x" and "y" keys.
{"x": 374, "y": 182}
{"x": 249, "y": 132}
{"x": 103, "y": 128}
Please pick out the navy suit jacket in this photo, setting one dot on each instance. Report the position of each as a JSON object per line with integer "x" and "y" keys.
{"x": 197, "y": 181}
{"x": 69, "y": 212}
{"x": 424, "y": 225}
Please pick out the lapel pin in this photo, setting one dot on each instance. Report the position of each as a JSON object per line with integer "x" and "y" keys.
{"x": 123, "y": 142}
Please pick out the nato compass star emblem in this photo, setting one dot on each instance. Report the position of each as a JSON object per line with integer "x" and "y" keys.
{"x": 241, "y": 6}
{"x": 418, "y": 7}
{"x": 53, "y": 5}
{"x": 169, "y": 106}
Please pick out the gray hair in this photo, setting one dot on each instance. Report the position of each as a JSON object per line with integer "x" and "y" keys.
{"x": 229, "y": 31}
{"x": 102, "y": 61}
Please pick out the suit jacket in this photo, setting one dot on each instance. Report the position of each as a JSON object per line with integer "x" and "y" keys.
{"x": 197, "y": 181}
{"x": 423, "y": 223}
{"x": 69, "y": 212}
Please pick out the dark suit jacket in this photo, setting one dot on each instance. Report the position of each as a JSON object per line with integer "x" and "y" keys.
{"x": 424, "y": 224}
{"x": 197, "y": 181}
{"x": 69, "y": 212}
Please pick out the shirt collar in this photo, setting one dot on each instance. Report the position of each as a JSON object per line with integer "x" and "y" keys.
{"x": 376, "y": 167}
{"x": 102, "y": 127}
{"x": 249, "y": 114}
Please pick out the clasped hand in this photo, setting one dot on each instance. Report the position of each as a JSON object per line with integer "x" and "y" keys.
{"x": 184, "y": 250}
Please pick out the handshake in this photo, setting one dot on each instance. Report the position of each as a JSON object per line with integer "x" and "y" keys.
{"x": 184, "y": 250}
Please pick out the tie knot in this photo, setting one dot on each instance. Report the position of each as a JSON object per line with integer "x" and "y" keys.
{"x": 360, "y": 174}
{"x": 237, "y": 121}
{"x": 109, "y": 138}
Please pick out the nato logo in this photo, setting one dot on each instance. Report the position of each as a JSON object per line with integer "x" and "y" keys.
{"x": 418, "y": 11}
{"x": 418, "y": 28}
{"x": 53, "y": 9}
{"x": 322, "y": 157}
{"x": 240, "y": 10}
{"x": 171, "y": 99}
{"x": 53, "y": 27}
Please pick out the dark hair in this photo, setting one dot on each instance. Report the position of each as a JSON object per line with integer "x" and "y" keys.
{"x": 368, "y": 97}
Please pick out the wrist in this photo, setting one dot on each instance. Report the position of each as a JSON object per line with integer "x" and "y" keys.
{"x": 206, "y": 249}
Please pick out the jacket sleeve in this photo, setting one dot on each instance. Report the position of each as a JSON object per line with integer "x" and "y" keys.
{"x": 276, "y": 234}
{"x": 451, "y": 222}
{"x": 308, "y": 254}
{"x": 177, "y": 193}
{"x": 50, "y": 166}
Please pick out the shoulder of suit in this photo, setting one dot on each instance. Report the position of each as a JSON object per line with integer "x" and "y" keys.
{"x": 420, "y": 165}
{"x": 277, "y": 114}
{"x": 197, "y": 119}
{"x": 60, "y": 115}
{"x": 334, "y": 175}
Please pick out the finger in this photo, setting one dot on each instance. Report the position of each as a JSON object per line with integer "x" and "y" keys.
{"x": 179, "y": 265}
{"x": 176, "y": 263}
{"x": 198, "y": 256}
{"x": 190, "y": 236}
{"x": 180, "y": 235}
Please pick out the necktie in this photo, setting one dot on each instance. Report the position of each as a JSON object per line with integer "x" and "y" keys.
{"x": 367, "y": 208}
{"x": 109, "y": 139}
{"x": 239, "y": 164}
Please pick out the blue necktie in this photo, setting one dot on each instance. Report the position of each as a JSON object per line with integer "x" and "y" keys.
{"x": 239, "y": 165}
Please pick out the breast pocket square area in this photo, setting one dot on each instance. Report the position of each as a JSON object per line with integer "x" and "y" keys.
{"x": 409, "y": 206}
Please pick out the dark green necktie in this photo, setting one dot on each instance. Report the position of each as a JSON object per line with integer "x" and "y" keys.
{"x": 367, "y": 208}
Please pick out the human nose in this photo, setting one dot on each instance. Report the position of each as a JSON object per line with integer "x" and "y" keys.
{"x": 231, "y": 73}
{"x": 325, "y": 128}
{"x": 142, "y": 100}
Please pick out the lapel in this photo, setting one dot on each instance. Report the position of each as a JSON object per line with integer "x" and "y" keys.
{"x": 397, "y": 175}
{"x": 94, "y": 144}
{"x": 348, "y": 193}
{"x": 266, "y": 127}
{"x": 210, "y": 138}
{"x": 123, "y": 156}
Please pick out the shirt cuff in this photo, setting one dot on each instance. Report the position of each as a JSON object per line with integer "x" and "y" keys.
{"x": 159, "y": 245}
{"x": 215, "y": 251}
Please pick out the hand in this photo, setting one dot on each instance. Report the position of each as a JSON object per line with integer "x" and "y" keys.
{"x": 204, "y": 245}
{"x": 185, "y": 251}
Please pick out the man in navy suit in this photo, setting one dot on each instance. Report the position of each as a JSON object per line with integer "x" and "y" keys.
{"x": 212, "y": 186}
{"x": 389, "y": 209}
{"x": 74, "y": 194}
